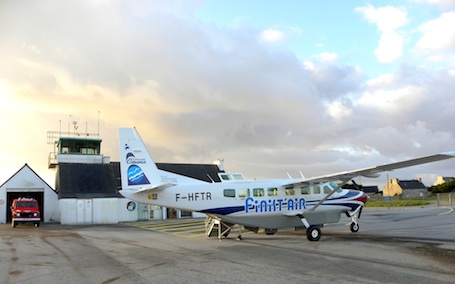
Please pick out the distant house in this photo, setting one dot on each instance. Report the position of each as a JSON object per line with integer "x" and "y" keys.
{"x": 406, "y": 188}
{"x": 441, "y": 180}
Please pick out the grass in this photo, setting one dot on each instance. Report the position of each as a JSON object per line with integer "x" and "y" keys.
{"x": 397, "y": 203}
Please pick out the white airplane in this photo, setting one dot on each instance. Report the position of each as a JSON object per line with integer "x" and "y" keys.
{"x": 253, "y": 204}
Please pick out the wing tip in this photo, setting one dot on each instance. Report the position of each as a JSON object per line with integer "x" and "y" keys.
{"x": 449, "y": 153}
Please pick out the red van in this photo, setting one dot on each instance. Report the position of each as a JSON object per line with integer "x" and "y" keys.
{"x": 25, "y": 210}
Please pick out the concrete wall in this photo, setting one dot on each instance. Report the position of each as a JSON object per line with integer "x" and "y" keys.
{"x": 97, "y": 211}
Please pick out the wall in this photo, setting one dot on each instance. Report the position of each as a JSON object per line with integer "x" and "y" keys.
{"x": 96, "y": 211}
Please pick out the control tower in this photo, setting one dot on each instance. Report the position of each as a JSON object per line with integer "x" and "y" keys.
{"x": 75, "y": 148}
{"x": 86, "y": 181}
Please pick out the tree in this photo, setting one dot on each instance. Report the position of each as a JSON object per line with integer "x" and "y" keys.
{"x": 445, "y": 187}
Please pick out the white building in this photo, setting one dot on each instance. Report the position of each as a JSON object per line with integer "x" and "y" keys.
{"x": 26, "y": 183}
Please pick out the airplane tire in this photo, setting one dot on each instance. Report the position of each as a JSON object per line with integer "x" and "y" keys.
{"x": 354, "y": 227}
{"x": 313, "y": 233}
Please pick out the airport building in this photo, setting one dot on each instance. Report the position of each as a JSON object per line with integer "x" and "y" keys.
{"x": 87, "y": 183}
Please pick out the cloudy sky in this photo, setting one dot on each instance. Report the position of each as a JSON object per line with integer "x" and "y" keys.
{"x": 273, "y": 87}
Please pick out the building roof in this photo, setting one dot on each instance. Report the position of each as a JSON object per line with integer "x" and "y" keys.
{"x": 197, "y": 171}
{"x": 103, "y": 180}
{"x": 26, "y": 166}
{"x": 411, "y": 184}
{"x": 448, "y": 178}
{"x": 87, "y": 180}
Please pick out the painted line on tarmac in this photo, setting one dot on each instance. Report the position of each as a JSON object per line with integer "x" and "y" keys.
{"x": 450, "y": 209}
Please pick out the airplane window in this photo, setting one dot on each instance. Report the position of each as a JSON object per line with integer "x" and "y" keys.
{"x": 244, "y": 192}
{"x": 272, "y": 191}
{"x": 305, "y": 190}
{"x": 327, "y": 189}
{"x": 258, "y": 192}
{"x": 335, "y": 185}
{"x": 238, "y": 176}
{"x": 290, "y": 191}
{"x": 316, "y": 189}
{"x": 225, "y": 177}
{"x": 229, "y": 192}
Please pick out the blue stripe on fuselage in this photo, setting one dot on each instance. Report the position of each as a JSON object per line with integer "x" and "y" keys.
{"x": 224, "y": 210}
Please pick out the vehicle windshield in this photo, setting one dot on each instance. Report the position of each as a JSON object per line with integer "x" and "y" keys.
{"x": 26, "y": 204}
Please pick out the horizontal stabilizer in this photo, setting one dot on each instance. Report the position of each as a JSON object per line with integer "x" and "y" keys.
{"x": 158, "y": 187}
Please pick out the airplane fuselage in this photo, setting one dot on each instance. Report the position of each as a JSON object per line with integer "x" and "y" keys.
{"x": 266, "y": 204}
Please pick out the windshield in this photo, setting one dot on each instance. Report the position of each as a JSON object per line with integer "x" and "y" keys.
{"x": 26, "y": 204}
{"x": 335, "y": 185}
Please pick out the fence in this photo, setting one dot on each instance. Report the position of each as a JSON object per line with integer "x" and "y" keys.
{"x": 445, "y": 199}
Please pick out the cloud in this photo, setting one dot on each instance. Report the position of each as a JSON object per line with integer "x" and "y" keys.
{"x": 442, "y": 4}
{"x": 197, "y": 92}
{"x": 438, "y": 34}
{"x": 272, "y": 35}
{"x": 388, "y": 20}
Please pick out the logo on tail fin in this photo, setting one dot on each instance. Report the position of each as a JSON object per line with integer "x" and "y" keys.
{"x": 136, "y": 175}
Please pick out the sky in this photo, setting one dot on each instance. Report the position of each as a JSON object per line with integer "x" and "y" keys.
{"x": 271, "y": 87}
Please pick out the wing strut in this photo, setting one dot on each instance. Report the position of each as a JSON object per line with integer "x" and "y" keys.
{"x": 327, "y": 196}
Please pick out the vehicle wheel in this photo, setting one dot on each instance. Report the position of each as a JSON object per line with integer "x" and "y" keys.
{"x": 36, "y": 224}
{"x": 313, "y": 233}
{"x": 355, "y": 227}
{"x": 13, "y": 224}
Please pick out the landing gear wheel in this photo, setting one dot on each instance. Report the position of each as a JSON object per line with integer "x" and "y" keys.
{"x": 13, "y": 224}
{"x": 36, "y": 224}
{"x": 355, "y": 227}
{"x": 313, "y": 233}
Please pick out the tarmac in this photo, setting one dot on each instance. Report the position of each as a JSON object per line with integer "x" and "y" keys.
{"x": 411, "y": 245}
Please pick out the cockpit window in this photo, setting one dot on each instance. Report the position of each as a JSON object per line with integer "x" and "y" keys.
{"x": 305, "y": 190}
{"x": 327, "y": 189}
{"x": 335, "y": 185}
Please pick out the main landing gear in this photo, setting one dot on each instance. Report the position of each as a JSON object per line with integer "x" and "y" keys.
{"x": 313, "y": 232}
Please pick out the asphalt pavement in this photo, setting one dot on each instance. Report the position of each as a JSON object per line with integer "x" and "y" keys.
{"x": 412, "y": 245}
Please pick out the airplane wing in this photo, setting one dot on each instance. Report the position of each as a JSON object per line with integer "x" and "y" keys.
{"x": 373, "y": 172}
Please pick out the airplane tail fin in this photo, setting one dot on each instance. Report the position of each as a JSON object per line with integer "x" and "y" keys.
{"x": 137, "y": 167}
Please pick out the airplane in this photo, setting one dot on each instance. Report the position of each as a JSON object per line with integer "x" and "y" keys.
{"x": 303, "y": 203}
